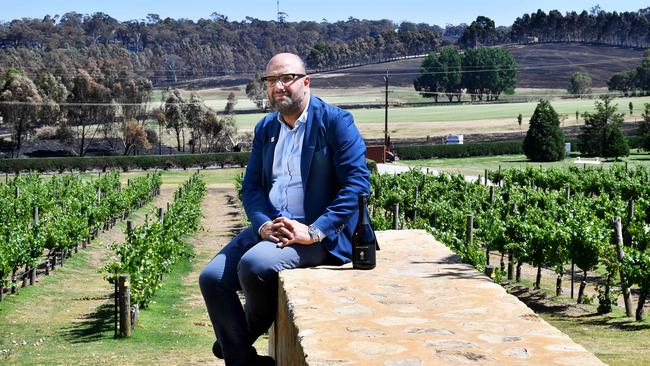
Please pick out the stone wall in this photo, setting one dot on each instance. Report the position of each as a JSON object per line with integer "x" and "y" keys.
{"x": 420, "y": 306}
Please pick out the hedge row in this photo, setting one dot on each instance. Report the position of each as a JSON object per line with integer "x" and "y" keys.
{"x": 125, "y": 163}
{"x": 415, "y": 152}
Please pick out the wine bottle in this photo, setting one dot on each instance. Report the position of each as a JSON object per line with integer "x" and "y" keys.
{"x": 364, "y": 242}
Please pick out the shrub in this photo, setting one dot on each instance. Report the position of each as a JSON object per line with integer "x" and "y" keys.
{"x": 544, "y": 140}
{"x": 124, "y": 163}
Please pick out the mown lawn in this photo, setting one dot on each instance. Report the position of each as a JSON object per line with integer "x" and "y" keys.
{"x": 474, "y": 166}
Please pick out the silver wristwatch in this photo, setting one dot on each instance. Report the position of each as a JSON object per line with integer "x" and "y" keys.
{"x": 313, "y": 233}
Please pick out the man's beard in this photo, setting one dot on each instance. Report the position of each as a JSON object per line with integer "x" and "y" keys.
{"x": 289, "y": 105}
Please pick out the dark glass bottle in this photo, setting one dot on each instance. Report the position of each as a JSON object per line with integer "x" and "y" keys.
{"x": 364, "y": 242}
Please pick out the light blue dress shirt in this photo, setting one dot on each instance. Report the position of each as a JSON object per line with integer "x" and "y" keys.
{"x": 286, "y": 194}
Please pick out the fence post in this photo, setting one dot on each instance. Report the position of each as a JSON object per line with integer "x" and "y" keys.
{"x": 125, "y": 305}
{"x": 32, "y": 273}
{"x": 415, "y": 204}
{"x": 618, "y": 240}
{"x": 485, "y": 177}
{"x": 468, "y": 229}
{"x": 395, "y": 216}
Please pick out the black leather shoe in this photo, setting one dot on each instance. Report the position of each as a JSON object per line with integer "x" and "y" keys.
{"x": 262, "y": 361}
{"x": 216, "y": 350}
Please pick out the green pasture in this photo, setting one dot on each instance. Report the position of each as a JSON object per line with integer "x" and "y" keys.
{"x": 470, "y": 112}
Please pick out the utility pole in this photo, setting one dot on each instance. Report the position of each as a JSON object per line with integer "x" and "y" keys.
{"x": 385, "y": 112}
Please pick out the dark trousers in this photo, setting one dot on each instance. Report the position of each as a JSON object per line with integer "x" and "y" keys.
{"x": 251, "y": 266}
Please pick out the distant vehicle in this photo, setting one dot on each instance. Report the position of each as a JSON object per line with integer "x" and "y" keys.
{"x": 454, "y": 140}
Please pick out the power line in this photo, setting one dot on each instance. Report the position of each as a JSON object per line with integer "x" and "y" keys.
{"x": 158, "y": 74}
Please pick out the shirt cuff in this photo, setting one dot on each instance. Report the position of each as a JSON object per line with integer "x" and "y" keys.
{"x": 259, "y": 231}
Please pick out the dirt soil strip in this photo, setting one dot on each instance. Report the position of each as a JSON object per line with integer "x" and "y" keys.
{"x": 73, "y": 298}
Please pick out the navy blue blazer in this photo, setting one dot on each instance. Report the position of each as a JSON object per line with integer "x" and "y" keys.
{"x": 333, "y": 169}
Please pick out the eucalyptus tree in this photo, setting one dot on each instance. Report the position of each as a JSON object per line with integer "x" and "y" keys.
{"x": 19, "y": 105}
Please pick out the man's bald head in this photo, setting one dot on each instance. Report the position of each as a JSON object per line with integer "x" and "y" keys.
{"x": 288, "y": 62}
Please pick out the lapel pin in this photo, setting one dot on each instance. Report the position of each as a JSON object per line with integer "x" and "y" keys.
{"x": 272, "y": 139}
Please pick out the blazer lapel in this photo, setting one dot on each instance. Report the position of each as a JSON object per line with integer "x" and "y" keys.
{"x": 309, "y": 142}
{"x": 269, "y": 147}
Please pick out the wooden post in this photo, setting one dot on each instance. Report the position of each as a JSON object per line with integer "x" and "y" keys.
{"x": 491, "y": 194}
{"x": 395, "y": 216}
{"x": 125, "y": 305}
{"x": 129, "y": 228}
{"x": 485, "y": 177}
{"x": 489, "y": 270}
{"x": 618, "y": 240}
{"x": 32, "y": 273}
{"x": 573, "y": 273}
{"x": 115, "y": 307}
{"x": 13, "y": 281}
{"x": 468, "y": 229}
{"x": 415, "y": 204}
{"x": 161, "y": 215}
{"x": 567, "y": 191}
{"x": 25, "y": 278}
{"x": 510, "y": 265}
{"x": 627, "y": 236}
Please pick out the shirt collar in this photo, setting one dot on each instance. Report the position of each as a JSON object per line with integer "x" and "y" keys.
{"x": 303, "y": 116}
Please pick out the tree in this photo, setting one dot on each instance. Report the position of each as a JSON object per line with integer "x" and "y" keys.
{"x": 53, "y": 93}
{"x": 429, "y": 83}
{"x": 19, "y": 105}
{"x": 480, "y": 33}
{"x": 544, "y": 140}
{"x": 488, "y": 72}
{"x": 195, "y": 111}
{"x": 617, "y": 144}
{"x": 579, "y": 83}
{"x": 135, "y": 137}
{"x": 601, "y": 129}
{"x": 623, "y": 81}
{"x": 219, "y": 132}
{"x": 175, "y": 117}
{"x": 643, "y": 73}
{"x": 645, "y": 128}
{"x": 256, "y": 91}
{"x": 230, "y": 105}
{"x": 90, "y": 107}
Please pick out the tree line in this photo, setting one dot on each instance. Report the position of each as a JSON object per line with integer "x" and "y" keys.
{"x": 483, "y": 73}
{"x": 105, "y": 100}
{"x": 628, "y": 29}
{"x": 170, "y": 50}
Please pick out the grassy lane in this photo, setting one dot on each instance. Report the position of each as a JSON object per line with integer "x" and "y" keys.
{"x": 67, "y": 318}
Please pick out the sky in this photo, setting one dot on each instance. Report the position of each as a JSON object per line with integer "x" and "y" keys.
{"x": 503, "y": 12}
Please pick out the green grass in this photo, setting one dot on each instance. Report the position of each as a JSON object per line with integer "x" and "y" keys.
{"x": 477, "y": 165}
{"x": 614, "y": 338}
{"x": 175, "y": 177}
{"x": 467, "y": 112}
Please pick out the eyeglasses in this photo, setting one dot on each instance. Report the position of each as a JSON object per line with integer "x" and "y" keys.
{"x": 285, "y": 79}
